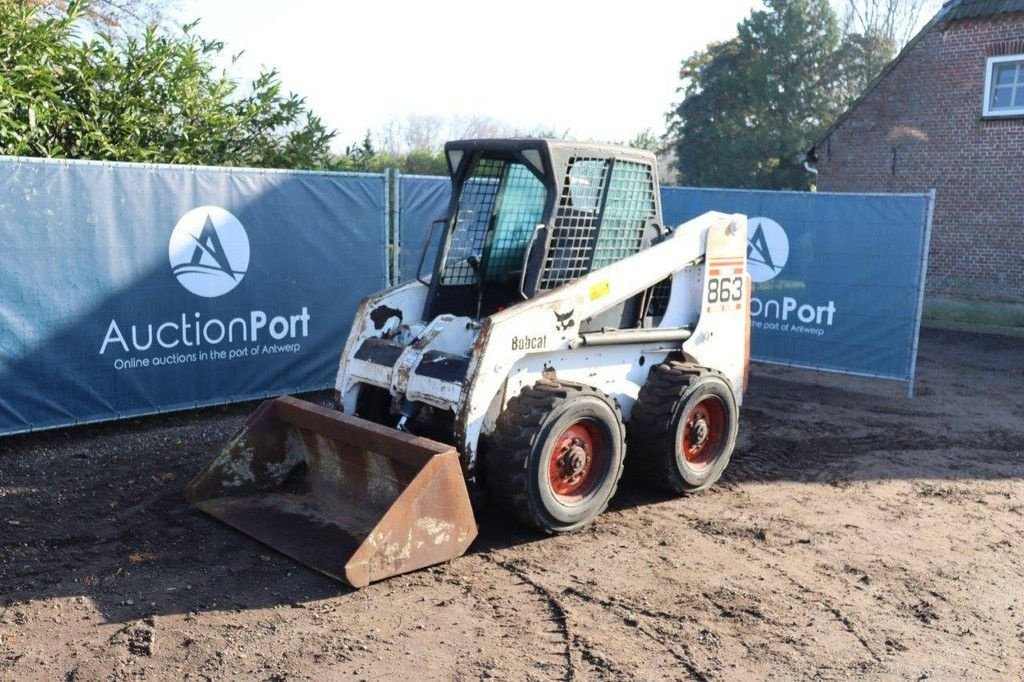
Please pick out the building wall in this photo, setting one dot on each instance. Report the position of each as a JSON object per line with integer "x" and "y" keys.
{"x": 921, "y": 128}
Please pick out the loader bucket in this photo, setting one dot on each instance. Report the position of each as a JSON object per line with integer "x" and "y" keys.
{"x": 352, "y": 499}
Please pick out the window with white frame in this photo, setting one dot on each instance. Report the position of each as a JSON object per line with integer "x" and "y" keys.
{"x": 1004, "y": 86}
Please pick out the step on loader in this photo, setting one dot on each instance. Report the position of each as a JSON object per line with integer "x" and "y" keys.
{"x": 558, "y": 327}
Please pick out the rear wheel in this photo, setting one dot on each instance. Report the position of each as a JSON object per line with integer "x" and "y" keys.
{"x": 683, "y": 428}
{"x": 556, "y": 454}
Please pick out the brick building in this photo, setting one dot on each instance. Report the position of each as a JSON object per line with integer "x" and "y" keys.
{"x": 948, "y": 113}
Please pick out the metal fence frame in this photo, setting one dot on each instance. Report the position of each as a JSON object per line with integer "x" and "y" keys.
{"x": 922, "y": 280}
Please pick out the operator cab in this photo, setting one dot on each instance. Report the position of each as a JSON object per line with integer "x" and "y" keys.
{"x": 531, "y": 215}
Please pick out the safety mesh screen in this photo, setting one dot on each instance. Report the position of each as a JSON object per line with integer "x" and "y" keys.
{"x": 476, "y": 205}
{"x": 630, "y": 204}
{"x": 520, "y": 208}
{"x": 657, "y": 304}
{"x": 576, "y": 222}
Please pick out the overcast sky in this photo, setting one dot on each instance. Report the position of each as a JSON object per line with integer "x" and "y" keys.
{"x": 603, "y": 71}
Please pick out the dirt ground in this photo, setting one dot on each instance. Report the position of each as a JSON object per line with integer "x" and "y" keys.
{"x": 855, "y": 534}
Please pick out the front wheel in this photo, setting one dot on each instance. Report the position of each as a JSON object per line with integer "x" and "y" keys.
{"x": 556, "y": 455}
{"x": 683, "y": 428}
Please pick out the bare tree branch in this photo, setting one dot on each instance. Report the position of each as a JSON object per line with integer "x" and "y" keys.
{"x": 107, "y": 15}
{"x": 896, "y": 20}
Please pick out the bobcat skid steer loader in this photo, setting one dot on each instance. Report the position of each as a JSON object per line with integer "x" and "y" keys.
{"x": 559, "y": 328}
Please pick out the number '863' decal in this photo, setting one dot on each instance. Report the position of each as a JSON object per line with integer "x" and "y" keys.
{"x": 725, "y": 289}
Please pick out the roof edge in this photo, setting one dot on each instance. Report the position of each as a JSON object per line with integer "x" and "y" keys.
{"x": 939, "y": 17}
{"x": 978, "y": 9}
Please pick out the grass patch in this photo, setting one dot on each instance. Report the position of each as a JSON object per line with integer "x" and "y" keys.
{"x": 973, "y": 313}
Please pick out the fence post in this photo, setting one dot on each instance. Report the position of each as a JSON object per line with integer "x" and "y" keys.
{"x": 387, "y": 228}
{"x": 396, "y": 226}
{"x": 925, "y": 248}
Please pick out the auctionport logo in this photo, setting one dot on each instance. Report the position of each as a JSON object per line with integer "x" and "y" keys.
{"x": 209, "y": 254}
{"x": 767, "y": 255}
{"x": 209, "y": 251}
{"x": 767, "y": 249}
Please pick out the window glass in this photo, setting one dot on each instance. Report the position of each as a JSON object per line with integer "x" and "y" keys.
{"x": 1005, "y": 86}
{"x": 500, "y": 205}
{"x": 520, "y": 209}
{"x": 579, "y": 245}
{"x": 476, "y": 205}
{"x": 585, "y": 179}
{"x": 1001, "y": 99}
{"x": 629, "y": 206}
{"x": 1006, "y": 74}
{"x": 575, "y": 225}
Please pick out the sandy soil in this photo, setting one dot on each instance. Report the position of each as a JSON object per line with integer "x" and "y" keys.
{"x": 855, "y": 534}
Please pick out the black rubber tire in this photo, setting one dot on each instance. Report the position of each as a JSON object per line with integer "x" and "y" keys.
{"x": 520, "y": 450}
{"x": 672, "y": 389}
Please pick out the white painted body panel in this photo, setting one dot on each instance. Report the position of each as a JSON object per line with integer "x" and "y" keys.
{"x": 513, "y": 348}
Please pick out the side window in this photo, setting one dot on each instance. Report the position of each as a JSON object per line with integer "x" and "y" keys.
{"x": 576, "y": 222}
{"x": 584, "y": 182}
{"x": 499, "y": 207}
{"x": 657, "y": 300}
{"x": 476, "y": 206}
{"x": 588, "y": 236}
{"x": 629, "y": 206}
{"x": 1004, "y": 86}
{"x": 520, "y": 209}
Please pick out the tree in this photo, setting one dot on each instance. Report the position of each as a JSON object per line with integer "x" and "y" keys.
{"x": 896, "y": 20}
{"x": 415, "y": 144}
{"x": 424, "y": 133}
{"x": 478, "y": 127}
{"x": 362, "y": 156}
{"x": 151, "y": 97}
{"x": 753, "y": 103}
{"x": 646, "y": 140}
{"x": 366, "y": 157}
{"x": 107, "y": 15}
{"x": 878, "y": 29}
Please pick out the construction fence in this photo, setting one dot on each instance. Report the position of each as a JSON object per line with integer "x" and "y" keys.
{"x": 112, "y": 306}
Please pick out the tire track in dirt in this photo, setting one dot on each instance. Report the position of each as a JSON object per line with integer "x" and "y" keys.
{"x": 651, "y": 630}
{"x": 554, "y": 606}
{"x": 850, "y": 627}
{"x": 737, "y": 536}
{"x": 631, "y": 616}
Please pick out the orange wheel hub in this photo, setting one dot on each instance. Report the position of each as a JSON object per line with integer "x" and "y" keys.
{"x": 703, "y": 433}
{"x": 577, "y": 460}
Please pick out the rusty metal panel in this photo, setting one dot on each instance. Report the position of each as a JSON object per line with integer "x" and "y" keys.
{"x": 354, "y": 500}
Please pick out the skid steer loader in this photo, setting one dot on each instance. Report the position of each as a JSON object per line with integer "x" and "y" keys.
{"x": 560, "y": 326}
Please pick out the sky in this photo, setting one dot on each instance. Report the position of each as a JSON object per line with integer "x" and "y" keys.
{"x": 600, "y": 71}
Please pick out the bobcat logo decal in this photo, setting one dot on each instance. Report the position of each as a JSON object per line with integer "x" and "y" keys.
{"x": 564, "y": 320}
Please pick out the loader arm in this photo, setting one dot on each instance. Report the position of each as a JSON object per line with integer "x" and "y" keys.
{"x": 706, "y": 257}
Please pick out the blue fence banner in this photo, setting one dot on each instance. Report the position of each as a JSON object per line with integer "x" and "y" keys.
{"x": 838, "y": 278}
{"x": 422, "y": 199}
{"x": 130, "y": 289}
